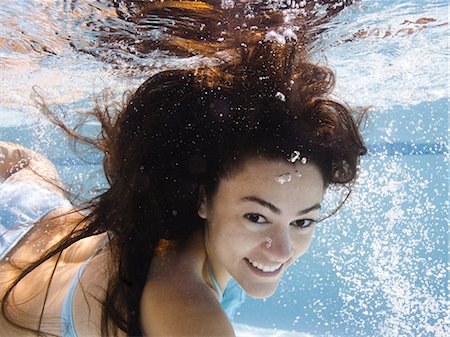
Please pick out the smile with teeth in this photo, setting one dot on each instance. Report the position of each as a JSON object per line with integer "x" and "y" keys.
{"x": 266, "y": 269}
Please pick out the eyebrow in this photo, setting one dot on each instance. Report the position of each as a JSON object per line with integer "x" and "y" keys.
{"x": 275, "y": 209}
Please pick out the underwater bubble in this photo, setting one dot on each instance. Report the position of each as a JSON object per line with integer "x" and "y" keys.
{"x": 304, "y": 160}
{"x": 298, "y": 173}
{"x": 283, "y": 178}
{"x": 273, "y": 36}
{"x": 294, "y": 156}
{"x": 280, "y": 96}
{"x": 289, "y": 34}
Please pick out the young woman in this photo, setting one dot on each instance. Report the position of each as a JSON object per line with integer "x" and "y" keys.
{"x": 216, "y": 179}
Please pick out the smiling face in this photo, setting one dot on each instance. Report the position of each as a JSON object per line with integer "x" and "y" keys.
{"x": 259, "y": 222}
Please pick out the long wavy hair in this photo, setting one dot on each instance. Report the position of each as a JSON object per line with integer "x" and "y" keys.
{"x": 184, "y": 130}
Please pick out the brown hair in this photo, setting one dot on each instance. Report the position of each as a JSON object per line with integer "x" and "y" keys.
{"x": 183, "y": 130}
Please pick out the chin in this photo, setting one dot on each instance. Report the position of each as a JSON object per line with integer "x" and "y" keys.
{"x": 262, "y": 291}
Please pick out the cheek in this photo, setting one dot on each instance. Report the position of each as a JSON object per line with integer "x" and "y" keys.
{"x": 225, "y": 232}
{"x": 302, "y": 244}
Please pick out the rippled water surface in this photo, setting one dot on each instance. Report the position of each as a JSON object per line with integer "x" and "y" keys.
{"x": 380, "y": 266}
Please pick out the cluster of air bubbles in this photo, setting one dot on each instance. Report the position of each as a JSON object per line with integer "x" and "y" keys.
{"x": 281, "y": 37}
{"x": 379, "y": 269}
{"x": 273, "y": 36}
{"x": 295, "y": 156}
{"x": 287, "y": 177}
{"x": 225, "y": 4}
{"x": 389, "y": 265}
{"x": 283, "y": 178}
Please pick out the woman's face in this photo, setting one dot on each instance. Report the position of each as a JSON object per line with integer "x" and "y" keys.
{"x": 260, "y": 221}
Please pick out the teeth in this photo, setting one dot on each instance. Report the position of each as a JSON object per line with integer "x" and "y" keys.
{"x": 264, "y": 268}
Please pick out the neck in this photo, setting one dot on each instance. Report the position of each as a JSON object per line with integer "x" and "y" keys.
{"x": 212, "y": 270}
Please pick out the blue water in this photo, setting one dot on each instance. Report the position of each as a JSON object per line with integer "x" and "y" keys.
{"x": 380, "y": 266}
{"x": 377, "y": 268}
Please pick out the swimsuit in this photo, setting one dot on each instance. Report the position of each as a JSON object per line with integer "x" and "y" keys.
{"x": 21, "y": 205}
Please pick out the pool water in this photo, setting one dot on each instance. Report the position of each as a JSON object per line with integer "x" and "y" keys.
{"x": 377, "y": 268}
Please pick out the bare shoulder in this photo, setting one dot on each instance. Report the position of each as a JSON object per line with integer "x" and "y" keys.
{"x": 177, "y": 302}
{"x": 182, "y": 306}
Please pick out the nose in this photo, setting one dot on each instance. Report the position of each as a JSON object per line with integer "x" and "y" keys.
{"x": 278, "y": 243}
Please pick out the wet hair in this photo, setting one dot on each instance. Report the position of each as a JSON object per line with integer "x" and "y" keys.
{"x": 184, "y": 130}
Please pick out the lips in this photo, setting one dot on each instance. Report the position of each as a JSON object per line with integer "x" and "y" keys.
{"x": 263, "y": 270}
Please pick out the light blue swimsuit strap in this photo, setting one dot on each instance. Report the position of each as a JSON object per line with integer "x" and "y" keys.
{"x": 231, "y": 298}
{"x": 67, "y": 323}
{"x": 214, "y": 281}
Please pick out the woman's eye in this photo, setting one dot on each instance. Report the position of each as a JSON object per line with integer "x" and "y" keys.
{"x": 303, "y": 223}
{"x": 256, "y": 218}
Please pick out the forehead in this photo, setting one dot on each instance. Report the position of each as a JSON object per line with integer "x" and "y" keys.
{"x": 274, "y": 179}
